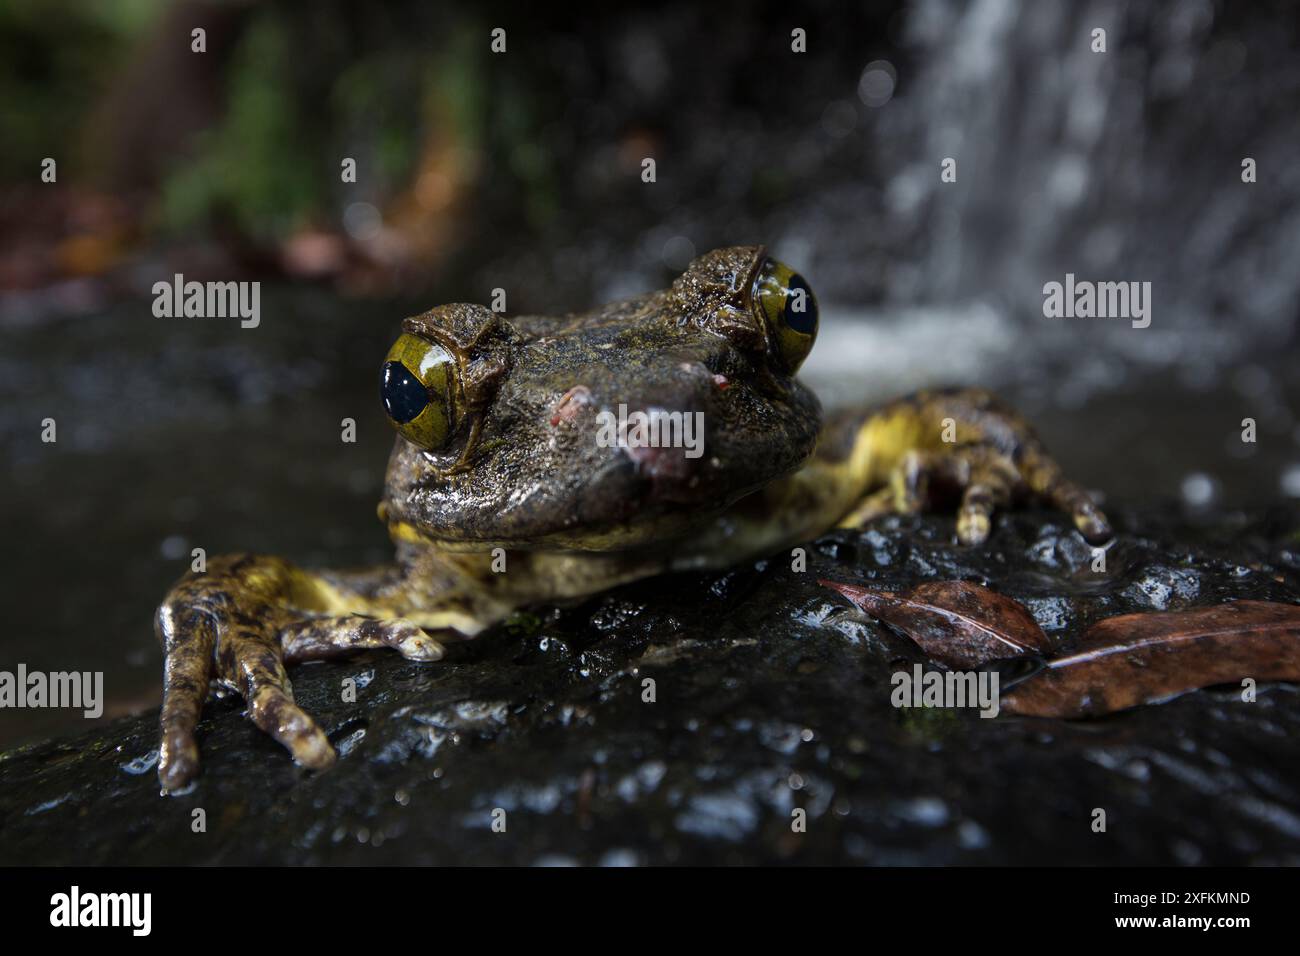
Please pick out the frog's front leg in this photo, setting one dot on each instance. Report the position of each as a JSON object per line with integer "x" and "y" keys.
{"x": 962, "y": 440}
{"x": 246, "y": 616}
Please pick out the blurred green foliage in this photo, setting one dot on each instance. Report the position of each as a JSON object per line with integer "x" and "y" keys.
{"x": 304, "y": 89}
{"x": 250, "y": 167}
{"x": 55, "y": 55}
{"x": 295, "y": 89}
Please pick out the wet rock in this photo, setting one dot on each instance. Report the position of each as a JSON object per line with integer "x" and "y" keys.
{"x": 770, "y": 696}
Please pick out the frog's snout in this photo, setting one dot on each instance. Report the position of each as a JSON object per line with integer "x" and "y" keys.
{"x": 657, "y": 447}
{"x": 663, "y": 466}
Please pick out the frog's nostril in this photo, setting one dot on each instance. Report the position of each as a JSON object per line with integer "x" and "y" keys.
{"x": 570, "y": 405}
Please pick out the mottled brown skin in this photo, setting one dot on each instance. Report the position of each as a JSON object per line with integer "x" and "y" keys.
{"x": 524, "y": 472}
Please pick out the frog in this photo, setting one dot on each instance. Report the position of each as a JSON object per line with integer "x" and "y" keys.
{"x": 510, "y": 486}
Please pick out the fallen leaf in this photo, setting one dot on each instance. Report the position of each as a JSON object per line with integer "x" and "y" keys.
{"x": 1135, "y": 659}
{"x": 957, "y": 623}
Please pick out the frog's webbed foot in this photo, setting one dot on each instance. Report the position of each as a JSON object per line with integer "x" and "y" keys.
{"x": 235, "y": 624}
{"x": 991, "y": 458}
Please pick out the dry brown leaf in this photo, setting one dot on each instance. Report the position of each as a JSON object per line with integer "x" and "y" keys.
{"x": 1133, "y": 659}
{"x": 957, "y": 623}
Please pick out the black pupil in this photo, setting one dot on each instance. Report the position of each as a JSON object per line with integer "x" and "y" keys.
{"x": 805, "y": 321}
{"x": 403, "y": 395}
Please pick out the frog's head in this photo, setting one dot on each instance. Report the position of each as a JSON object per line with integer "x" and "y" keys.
{"x": 611, "y": 429}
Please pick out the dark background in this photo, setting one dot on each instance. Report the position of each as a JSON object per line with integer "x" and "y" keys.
{"x": 522, "y": 171}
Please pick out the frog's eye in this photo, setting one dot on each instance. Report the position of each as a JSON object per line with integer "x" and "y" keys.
{"x": 418, "y": 386}
{"x": 789, "y": 310}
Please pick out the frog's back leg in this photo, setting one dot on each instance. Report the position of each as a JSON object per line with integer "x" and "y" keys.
{"x": 894, "y": 459}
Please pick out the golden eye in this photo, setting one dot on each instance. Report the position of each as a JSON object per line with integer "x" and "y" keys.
{"x": 789, "y": 309}
{"x": 418, "y": 386}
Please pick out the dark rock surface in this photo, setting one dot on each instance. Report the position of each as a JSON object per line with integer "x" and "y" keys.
{"x": 771, "y": 694}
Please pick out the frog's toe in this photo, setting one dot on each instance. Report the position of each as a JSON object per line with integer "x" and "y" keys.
{"x": 990, "y": 487}
{"x": 252, "y": 661}
{"x": 411, "y": 641}
{"x": 976, "y": 516}
{"x": 178, "y": 758}
{"x": 274, "y": 711}
{"x": 324, "y": 637}
{"x": 188, "y": 637}
{"x": 1088, "y": 518}
{"x": 1045, "y": 478}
